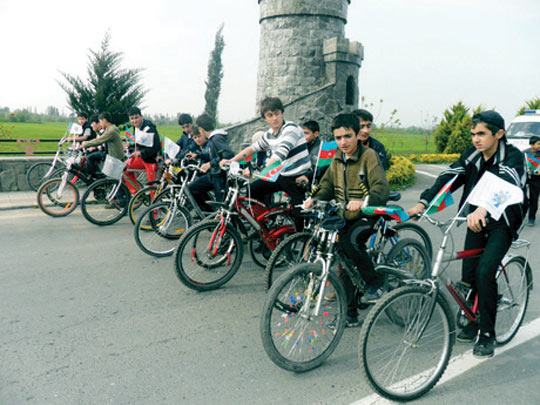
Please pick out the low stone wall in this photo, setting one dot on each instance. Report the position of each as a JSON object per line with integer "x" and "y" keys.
{"x": 13, "y": 172}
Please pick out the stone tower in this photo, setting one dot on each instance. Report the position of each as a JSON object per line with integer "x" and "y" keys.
{"x": 305, "y": 59}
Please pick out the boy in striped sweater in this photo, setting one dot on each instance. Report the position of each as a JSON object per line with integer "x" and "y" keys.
{"x": 286, "y": 143}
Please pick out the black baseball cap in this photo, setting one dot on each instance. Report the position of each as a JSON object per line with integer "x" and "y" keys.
{"x": 489, "y": 117}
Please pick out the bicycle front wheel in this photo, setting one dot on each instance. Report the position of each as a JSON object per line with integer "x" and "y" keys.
{"x": 208, "y": 255}
{"x": 293, "y": 250}
{"x": 414, "y": 231}
{"x": 159, "y": 227}
{"x": 140, "y": 201}
{"x": 404, "y": 360}
{"x": 101, "y": 206}
{"x": 57, "y": 197}
{"x": 410, "y": 260}
{"x": 513, "y": 298}
{"x": 294, "y": 335}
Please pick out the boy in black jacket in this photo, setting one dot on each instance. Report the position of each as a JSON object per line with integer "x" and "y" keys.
{"x": 490, "y": 153}
{"x": 216, "y": 149}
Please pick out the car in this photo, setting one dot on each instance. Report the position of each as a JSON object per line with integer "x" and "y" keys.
{"x": 522, "y": 128}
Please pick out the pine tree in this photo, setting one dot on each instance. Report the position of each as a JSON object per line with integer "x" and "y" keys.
{"x": 108, "y": 87}
{"x": 452, "y": 117}
{"x": 215, "y": 74}
{"x": 533, "y": 104}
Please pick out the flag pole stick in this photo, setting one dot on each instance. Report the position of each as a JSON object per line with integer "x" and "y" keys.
{"x": 316, "y": 164}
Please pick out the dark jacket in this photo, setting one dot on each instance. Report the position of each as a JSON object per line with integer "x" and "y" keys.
{"x": 508, "y": 164}
{"x": 149, "y": 153}
{"x": 217, "y": 148}
{"x": 379, "y": 148}
{"x": 187, "y": 144}
{"x": 353, "y": 179}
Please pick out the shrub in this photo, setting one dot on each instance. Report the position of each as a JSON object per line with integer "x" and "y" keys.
{"x": 401, "y": 172}
{"x": 435, "y": 158}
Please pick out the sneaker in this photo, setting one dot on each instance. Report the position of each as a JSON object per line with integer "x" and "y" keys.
{"x": 485, "y": 347}
{"x": 372, "y": 294}
{"x": 352, "y": 322}
{"x": 331, "y": 296}
{"x": 531, "y": 222}
{"x": 468, "y": 333}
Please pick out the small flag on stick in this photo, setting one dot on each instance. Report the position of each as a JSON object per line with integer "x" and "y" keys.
{"x": 443, "y": 198}
{"x": 271, "y": 173}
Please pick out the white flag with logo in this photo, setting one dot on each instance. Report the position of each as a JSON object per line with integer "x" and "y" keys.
{"x": 171, "y": 148}
{"x": 75, "y": 129}
{"x": 144, "y": 138}
{"x": 495, "y": 194}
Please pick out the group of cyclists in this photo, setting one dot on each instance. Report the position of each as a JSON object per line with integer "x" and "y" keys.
{"x": 355, "y": 178}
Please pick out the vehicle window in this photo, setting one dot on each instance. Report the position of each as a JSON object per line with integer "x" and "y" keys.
{"x": 527, "y": 129}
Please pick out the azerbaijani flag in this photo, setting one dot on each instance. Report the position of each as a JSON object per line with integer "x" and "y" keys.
{"x": 393, "y": 212}
{"x": 271, "y": 173}
{"x": 326, "y": 153}
{"x": 130, "y": 136}
{"x": 248, "y": 159}
{"x": 443, "y": 198}
{"x": 532, "y": 162}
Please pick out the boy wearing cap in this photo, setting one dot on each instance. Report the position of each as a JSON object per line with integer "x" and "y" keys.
{"x": 490, "y": 152}
{"x": 533, "y": 178}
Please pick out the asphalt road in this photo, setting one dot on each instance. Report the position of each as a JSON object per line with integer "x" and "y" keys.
{"x": 87, "y": 318}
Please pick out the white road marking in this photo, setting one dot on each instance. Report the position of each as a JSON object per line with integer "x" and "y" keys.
{"x": 466, "y": 361}
{"x": 427, "y": 174}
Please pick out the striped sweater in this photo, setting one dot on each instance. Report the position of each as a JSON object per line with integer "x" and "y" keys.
{"x": 288, "y": 146}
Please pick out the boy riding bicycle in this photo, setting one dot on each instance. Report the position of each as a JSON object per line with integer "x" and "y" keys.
{"x": 354, "y": 176}
{"x": 490, "y": 153}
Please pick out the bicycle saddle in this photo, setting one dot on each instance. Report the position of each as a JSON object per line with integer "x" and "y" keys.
{"x": 333, "y": 223}
{"x": 217, "y": 204}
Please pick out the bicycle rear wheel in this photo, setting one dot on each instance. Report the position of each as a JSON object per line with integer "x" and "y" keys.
{"x": 293, "y": 250}
{"x": 513, "y": 292}
{"x": 159, "y": 228}
{"x": 100, "y": 207}
{"x": 208, "y": 255}
{"x": 35, "y": 175}
{"x": 56, "y": 198}
{"x": 404, "y": 360}
{"x": 293, "y": 335}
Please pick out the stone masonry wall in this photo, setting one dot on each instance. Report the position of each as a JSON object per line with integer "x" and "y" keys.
{"x": 292, "y": 33}
{"x": 13, "y": 172}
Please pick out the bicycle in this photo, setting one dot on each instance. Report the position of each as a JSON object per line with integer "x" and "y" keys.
{"x": 210, "y": 253}
{"x": 387, "y": 232}
{"x": 59, "y": 196}
{"x": 300, "y": 325}
{"x": 404, "y": 355}
{"x": 106, "y": 200}
{"x": 159, "y": 227}
{"x": 41, "y": 171}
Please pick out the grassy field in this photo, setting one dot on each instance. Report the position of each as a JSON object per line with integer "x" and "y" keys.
{"x": 395, "y": 142}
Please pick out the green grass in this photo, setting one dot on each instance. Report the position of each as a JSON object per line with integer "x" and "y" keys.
{"x": 52, "y": 130}
{"x": 396, "y": 143}
{"x": 404, "y": 144}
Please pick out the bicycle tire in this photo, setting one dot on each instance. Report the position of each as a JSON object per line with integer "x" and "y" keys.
{"x": 411, "y": 258}
{"x": 402, "y": 362}
{"x": 56, "y": 205}
{"x": 158, "y": 229}
{"x": 35, "y": 175}
{"x": 97, "y": 209}
{"x": 415, "y": 231}
{"x": 286, "y": 255}
{"x": 204, "y": 258}
{"x": 142, "y": 198}
{"x": 302, "y": 342}
{"x": 513, "y": 298}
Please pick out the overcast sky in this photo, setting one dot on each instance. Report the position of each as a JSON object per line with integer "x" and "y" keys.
{"x": 421, "y": 56}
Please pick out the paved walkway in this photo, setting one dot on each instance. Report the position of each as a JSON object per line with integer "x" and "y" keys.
{"x": 17, "y": 199}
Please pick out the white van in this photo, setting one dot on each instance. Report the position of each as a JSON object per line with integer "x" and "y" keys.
{"x": 523, "y": 127}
